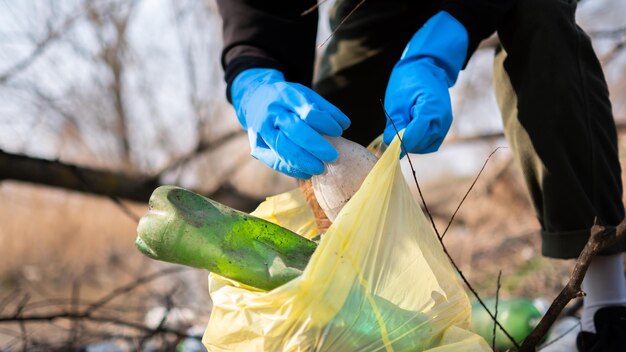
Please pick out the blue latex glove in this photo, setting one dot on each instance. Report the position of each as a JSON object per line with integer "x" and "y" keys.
{"x": 417, "y": 96}
{"x": 285, "y": 122}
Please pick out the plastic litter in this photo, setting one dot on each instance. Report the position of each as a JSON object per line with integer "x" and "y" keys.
{"x": 379, "y": 281}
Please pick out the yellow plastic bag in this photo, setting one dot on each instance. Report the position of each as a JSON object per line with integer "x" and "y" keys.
{"x": 379, "y": 281}
{"x": 289, "y": 210}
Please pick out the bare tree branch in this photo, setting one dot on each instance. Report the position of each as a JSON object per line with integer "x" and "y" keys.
{"x": 343, "y": 20}
{"x": 313, "y": 8}
{"x": 112, "y": 55}
{"x": 94, "y": 313}
{"x": 168, "y": 307}
{"x": 82, "y": 316}
{"x": 495, "y": 313}
{"x": 601, "y": 238}
{"x": 608, "y": 33}
{"x": 468, "y": 192}
{"x": 200, "y": 148}
{"x": 59, "y": 174}
{"x": 40, "y": 48}
{"x": 128, "y": 288}
{"x": 612, "y": 54}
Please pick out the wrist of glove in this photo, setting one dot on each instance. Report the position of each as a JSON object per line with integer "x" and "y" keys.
{"x": 417, "y": 97}
{"x": 285, "y": 122}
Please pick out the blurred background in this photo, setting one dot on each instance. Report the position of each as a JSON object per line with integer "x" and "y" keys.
{"x": 101, "y": 101}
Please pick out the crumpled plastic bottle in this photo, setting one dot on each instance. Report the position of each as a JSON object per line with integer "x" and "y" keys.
{"x": 342, "y": 178}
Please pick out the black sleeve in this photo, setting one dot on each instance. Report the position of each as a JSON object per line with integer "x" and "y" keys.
{"x": 480, "y": 17}
{"x": 271, "y": 34}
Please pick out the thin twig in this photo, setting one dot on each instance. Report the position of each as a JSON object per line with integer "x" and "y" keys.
{"x": 127, "y": 288}
{"x": 572, "y": 309}
{"x": 55, "y": 302}
{"x": 495, "y": 314}
{"x": 406, "y": 152}
{"x": 74, "y": 308}
{"x": 22, "y": 304}
{"x": 200, "y": 148}
{"x": 17, "y": 338}
{"x": 40, "y": 48}
{"x": 8, "y": 298}
{"x": 94, "y": 318}
{"x": 93, "y": 313}
{"x": 87, "y": 184}
{"x": 608, "y": 33}
{"x": 445, "y": 249}
{"x": 468, "y": 191}
{"x": 313, "y": 8}
{"x": 613, "y": 53}
{"x": 575, "y": 326}
{"x": 24, "y": 336}
{"x": 341, "y": 23}
{"x": 125, "y": 209}
{"x": 168, "y": 308}
{"x": 18, "y": 312}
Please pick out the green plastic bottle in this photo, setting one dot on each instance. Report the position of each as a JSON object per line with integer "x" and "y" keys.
{"x": 186, "y": 228}
{"x": 518, "y": 316}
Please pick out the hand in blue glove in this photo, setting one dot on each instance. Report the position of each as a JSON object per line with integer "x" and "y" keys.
{"x": 417, "y": 95}
{"x": 285, "y": 122}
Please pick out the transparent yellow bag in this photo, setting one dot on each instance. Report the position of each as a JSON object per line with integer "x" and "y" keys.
{"x": 379, "y": 281}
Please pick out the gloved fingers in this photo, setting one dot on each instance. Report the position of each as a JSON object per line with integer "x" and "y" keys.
{"x": 304, "y": 136}
{"x": 289, "y": 153}
{"x": 303, "y": 101}
{"x": 323, "y": 122}
{"x": 271, "y": 159}
{"x": 325, "y": 106}
{"x": 296, "y": 157}
{"x": 426, "y": 131}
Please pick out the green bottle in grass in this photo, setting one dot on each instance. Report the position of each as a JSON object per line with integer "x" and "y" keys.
{"x": 518, "y": 316}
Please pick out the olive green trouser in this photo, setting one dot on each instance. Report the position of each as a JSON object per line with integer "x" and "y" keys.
{"x": 550, "y": 89}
